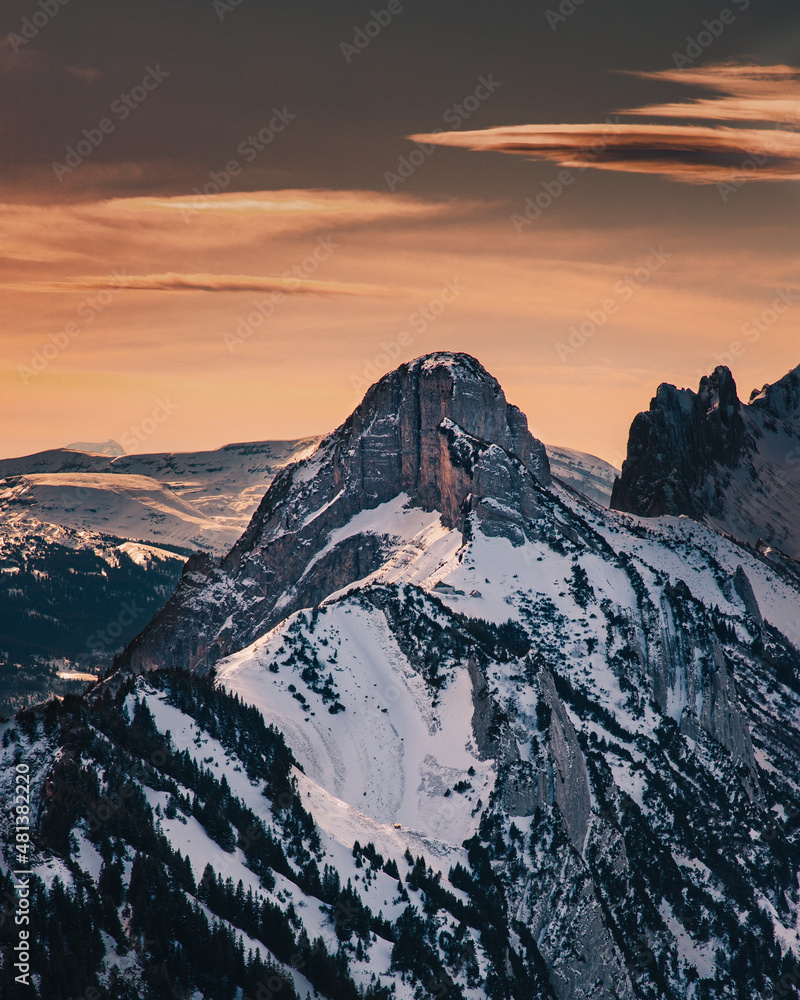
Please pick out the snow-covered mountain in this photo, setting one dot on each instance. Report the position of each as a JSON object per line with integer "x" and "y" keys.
{"x": 69, "y": 600}
{"x": 195, "y": 500}
{"x": 439, "y": 726}
{"x": 110, "y": 447}
{"x": 734, "y": 466}
{"x": 65, "y": 516}
{"x": 588, "y": 474}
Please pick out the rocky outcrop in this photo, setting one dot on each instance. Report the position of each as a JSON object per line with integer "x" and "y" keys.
{"x": 734, "y": 466}
{"x": 743, "y": 587}
{"x": 437, "y": 430}
{"x": 682, "y": 436}
{"x": 570, "y": 780}
{"x": 693, "y": 684}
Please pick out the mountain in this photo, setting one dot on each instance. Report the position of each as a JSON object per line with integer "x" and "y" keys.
{"x": 86, "y": 535}
{"x": 430, "y": 444}
{"x": 70, "y": 600}
{"x": 436, "y": 725}
{"x": 110, "y": 447}
{"x": 196, "y": 500}
{"x": 585, "y": 473}
{"x": 732, "y": 465}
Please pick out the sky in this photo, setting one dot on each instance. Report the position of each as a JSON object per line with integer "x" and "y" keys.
{"x": 222, "y": 221}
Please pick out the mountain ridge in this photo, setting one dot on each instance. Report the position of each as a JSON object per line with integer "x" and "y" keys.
{"x": 713, "y": 458}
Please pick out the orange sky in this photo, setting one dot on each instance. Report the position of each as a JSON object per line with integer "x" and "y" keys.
{"x": 135, "y": 306}
{"x": 292, "y": 354}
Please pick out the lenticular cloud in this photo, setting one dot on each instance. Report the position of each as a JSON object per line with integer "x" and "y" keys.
{"x": 767, "y": 98}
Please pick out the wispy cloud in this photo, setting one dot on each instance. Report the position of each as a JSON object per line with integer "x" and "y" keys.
{"x": 172, "y": 282}
{"x": 170, "y": 232}
{"x": 769, "y": 94}
{"x": 88, "y": 74}
{"x": 698, "y": 154}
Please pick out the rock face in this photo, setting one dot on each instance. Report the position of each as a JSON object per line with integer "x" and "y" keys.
{"x": 707, "y": 455}
{"x": 676, "y": 444}
{"x": 570, "y": 780}
{"x": 437, "y": 430}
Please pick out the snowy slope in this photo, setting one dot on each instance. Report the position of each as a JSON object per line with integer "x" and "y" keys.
{"x": 129, "y": 506}
{"x": 197, "y": 500}
{"x": 389, "y": 751}
{"x": 585, "y": 473}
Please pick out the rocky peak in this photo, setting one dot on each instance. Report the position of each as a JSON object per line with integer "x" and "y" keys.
{"x": 733, "y": 466}
{"x": 437, "y": 430}
{"x": 404, "y": 429}
{"x": 781, "y": 399}
{"x": 672, "y": 445}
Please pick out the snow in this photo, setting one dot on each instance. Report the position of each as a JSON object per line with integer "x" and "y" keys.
{"x": 586, "y": 473}
{"x": 143, "y": 554}
{"x": 87, "y": 856}
{"x": 197, "y": 499}
{"x": 700, "y": 956}
{"x": 411, "y": 527}
{"x": 129, "y": 506}
{"x": 396, "y": 764}
{"x": 340, "y": 825}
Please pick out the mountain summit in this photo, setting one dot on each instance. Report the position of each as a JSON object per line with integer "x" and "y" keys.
{"x": 713, "y": 458}
{"x": 437, "y": 432}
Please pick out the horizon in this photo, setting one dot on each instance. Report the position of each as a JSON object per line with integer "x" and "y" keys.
{"x": 616, "y": 459}
{"x": 244, "y": 247}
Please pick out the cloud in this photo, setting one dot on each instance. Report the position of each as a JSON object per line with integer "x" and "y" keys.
{"x": 768, "y": 94}
{"x": 175, "y": 233}
{"x": 697, "y": 154}
{"x": 172, "y": 282}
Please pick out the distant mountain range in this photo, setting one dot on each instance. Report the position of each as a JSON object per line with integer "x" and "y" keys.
{"x": 587, "y": 474}
{"x": 195, "y": 500}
